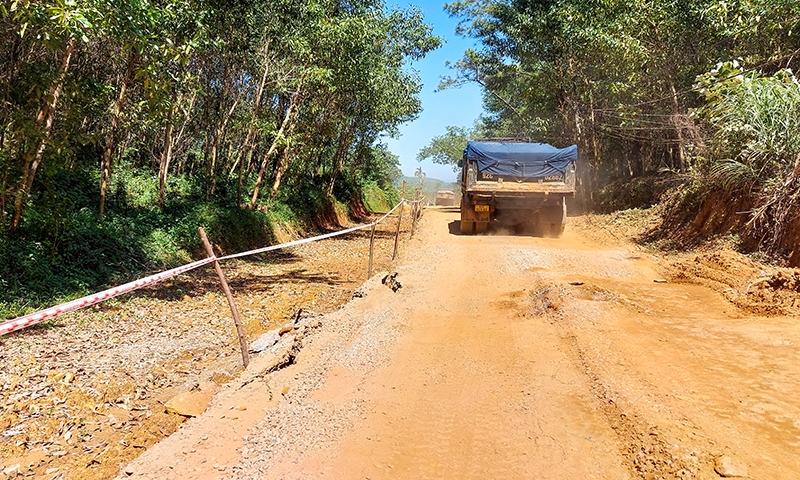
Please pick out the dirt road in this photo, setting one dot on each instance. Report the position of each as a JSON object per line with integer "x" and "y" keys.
{"x": 508, "y": 356}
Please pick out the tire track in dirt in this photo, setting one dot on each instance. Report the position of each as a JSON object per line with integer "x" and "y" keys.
{"x": 519, "y": 357}
{"x": 647, "y": 454}
{"x": 472, "y": 390}
{"x": 683, "y": 377}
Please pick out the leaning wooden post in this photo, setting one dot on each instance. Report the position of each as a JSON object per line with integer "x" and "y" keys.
{"x": 227, "y": 290}
{"x": 397, "y": 233}
{"x": 399, "y": 220}
{"x": 414, "y": 213}
{"x": 371, "y": 250}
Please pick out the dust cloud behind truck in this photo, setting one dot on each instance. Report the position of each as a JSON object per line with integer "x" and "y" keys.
{"x": 516, "y": 183}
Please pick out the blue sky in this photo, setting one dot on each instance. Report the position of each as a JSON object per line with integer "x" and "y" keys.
{"x": 454, "y": 106}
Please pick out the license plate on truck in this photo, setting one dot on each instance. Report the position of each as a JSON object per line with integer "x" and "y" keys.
{"x": 481, "y": 208}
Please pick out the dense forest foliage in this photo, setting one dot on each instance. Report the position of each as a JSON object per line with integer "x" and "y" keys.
{"x": 701, "y": 90}
{"x": 126, "y": 124}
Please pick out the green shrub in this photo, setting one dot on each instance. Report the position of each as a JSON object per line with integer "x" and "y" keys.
{"x": 378, "y": 200}
{"x": 63, "y": 250}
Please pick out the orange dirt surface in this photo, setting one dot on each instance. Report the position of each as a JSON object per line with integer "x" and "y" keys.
{"x": 505, "y": 356}
{"x": 85, "y": 394}
{"x": 750, "y": 286}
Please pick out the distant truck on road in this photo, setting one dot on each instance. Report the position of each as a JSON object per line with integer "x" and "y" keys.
{"x": 445, "y": 198}
{"x": 518, "y": 183}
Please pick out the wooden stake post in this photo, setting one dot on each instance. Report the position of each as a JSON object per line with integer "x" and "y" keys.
{"x": 227, "y": 290}
{"x": 415, "y": 211}
{"x": 371, "y": 250}
{"x": 399, "y": 220}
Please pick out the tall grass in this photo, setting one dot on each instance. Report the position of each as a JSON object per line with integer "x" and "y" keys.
{"x": 755, "y": 143}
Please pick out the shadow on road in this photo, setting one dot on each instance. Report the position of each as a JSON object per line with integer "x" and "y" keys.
{"x": 499, "y": 229}
{"x": 450, "y": 209}
{"x": 455, "y": 227}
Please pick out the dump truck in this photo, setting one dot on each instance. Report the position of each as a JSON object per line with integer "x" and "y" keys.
{"x": 445, "y": 198}
{"x": 520, "y": 184}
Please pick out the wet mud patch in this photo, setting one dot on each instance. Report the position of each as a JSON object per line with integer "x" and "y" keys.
{"x": 554, "y": 300}
{"x": 546, "y": 300}
{"x": 591, "y": 291}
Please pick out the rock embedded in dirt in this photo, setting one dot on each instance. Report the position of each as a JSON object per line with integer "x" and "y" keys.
{"x": 189, "y": 404}
{"x": 11, "y": 469}
{"x": 265, "y": 341}
{"x": 207, "y": 386}
{"x": 728, "y": 467}
{"x": 392, "y": 282}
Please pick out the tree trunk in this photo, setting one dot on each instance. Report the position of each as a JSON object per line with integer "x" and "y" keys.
{"x": 240, "y": 175}
{"x": 278, "y": 136}
{"x": 590, "y": 175}
{"x": 187, "y": 117}
{"x": 280, "y": 169}
{"x": 4, "y": 185}
{"x": 219, "y": 134}
{"x": 249, "y": 141}
{"x": 166, "y": 155}
{"x": 110, "y": 143}
{"x": 676, "y": 109}
{"x": 677, "y": 121}
{"x": 45, "y": 120}
{"x": 338, "y": 157}
{"x": 360, "y": 153}
{"x": 283, "y": 163}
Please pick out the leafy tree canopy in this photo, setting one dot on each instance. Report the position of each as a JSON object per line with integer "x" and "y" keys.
{"x": 446, "y": 149}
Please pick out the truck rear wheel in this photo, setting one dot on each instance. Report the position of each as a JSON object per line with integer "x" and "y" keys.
{"x": 481, "y": 227}
{"x": 467, "y": 228}
{"x": 557, "y": 228}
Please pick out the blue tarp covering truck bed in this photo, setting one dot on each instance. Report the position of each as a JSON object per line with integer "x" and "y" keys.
{"x": 525, "y": 160}
{"x": 523, "y": 186}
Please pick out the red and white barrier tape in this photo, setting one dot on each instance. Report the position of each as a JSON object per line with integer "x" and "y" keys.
{"x": 33, "y": 318}
{"x": 389, "y": 212}
{"x": 53, "y": 312}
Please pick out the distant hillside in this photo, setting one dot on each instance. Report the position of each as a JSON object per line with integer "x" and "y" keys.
{"x": 429, "y": 186}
